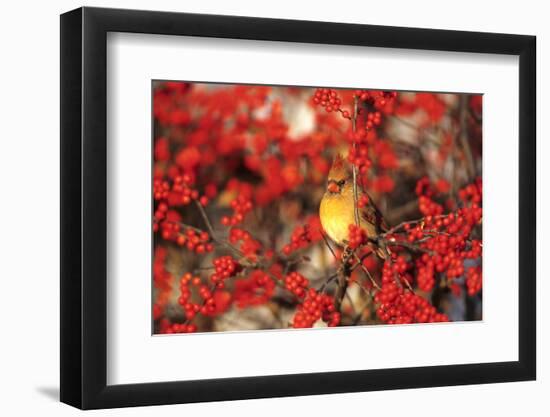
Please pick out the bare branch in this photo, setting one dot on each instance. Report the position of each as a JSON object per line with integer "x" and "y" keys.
{"x": 463, "y": 136}
{"x": 366, "y": 271}
{"x": 328, "y": 246}
{"x": 354, "y": 167}
{"x": 213, "y": 234}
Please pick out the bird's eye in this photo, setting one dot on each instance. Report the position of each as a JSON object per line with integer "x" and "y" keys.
{"x": 341, "y": 182}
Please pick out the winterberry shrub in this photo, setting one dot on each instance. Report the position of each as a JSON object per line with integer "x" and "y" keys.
{"x": 238, "y": 175}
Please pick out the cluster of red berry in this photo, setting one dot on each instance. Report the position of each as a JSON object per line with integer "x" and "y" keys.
{"x": 366, "y": 147}
{"x": 166, "y": 109}
{"x": 234, "y": 139}
{"x": 190, "y": 308}
{"x": 428, "y": 207}
{"x": 357, "y": 236}
{"x": 473, "y": 280}
{"x": 162, "y": 279}
{"x": 213, "y": 300}
{"x": 363, "y": 201}
{"x": 329, "y": 99}
{"x": 358, "y": 155}
{"x": 225, "y": 267}
{"x": 157, "y": 311}
{"x": 414, "y": 233}
{"x": 429, "y": 108}
{"x": 182, "y": 188}
{"x": 297, "y": 284}
{"x": 445, "y": 239}
{"x": 425, "y": 192}
{"x": 397, "y": 305}
{"x": 168, "y": 232}
{"x": 256, "y": 289}
{"x": 374, "y": 119}
{"x": 167, "y": 220}
{"x": 213, "y": 303}
{"x": 241, "y": 206}
{"x": 249, "y": 246}
{"x": 170, "y": 328}
{"x": 300, "y": 238}
{"x": 198, "y": 242}
{"x": 181, "y": 192}
{"x": 449, "y": 257}
{"x": 161, "y": 189}
{"x": 316, "y": 306}
{"x": 425, "y": 276}
{"x": 376, "y": 97}
{"x": 378, "y": 101}
{"x": 472, "y": 193}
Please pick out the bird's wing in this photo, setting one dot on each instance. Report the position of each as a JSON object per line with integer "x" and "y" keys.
{"x": 374, "y": 216}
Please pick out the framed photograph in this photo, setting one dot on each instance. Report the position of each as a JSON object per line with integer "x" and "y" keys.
{"x": 258, "y": 208}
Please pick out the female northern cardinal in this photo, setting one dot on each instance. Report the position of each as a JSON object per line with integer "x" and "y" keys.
{"x": 337, "y": 207}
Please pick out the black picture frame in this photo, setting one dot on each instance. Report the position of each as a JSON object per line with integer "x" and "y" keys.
{"x": 84, "y": 207}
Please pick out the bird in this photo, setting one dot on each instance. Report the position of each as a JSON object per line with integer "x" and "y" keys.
{"x": 337, "y": 208}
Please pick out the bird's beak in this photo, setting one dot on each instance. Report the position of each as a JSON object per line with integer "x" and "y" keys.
{"x": 333, "y": 187}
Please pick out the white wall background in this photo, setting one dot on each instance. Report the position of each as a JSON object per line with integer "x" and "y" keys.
{"x": 29, "y": 219}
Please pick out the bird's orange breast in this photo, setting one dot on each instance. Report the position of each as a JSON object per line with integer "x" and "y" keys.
{"x": 336, "y": 214}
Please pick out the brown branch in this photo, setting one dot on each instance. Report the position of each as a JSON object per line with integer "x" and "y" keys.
{"x": 344, "y": 273}
{"x": 261, "y": 263}
{"x": 203, "y": 268}
{"x": 463, "y": 136}
{"x": 475, "y": 116}
{"x": 404, "y": 244}
{"x": 354, "y": 167}
{"x": 188, "y": 320}
{"x": 213, "y": 234}
{"x": 327, "y": 282}
{"x": 328, "y": 245}
{"x": 340, "y": 290}
{"x": 366, "y": 272}
{"x": 344, "y": 270}
{"x": 188, "y": 226}
{"x": 292, "y": 262}
{"x": 364, "y": 289}
{"x": 410, "y": 223}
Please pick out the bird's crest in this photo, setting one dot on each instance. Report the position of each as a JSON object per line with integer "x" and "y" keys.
{"x": 340, "y": 169}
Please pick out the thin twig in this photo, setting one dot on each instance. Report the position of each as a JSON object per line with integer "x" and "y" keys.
{"x": 366, "y": 271}
{"x": 212, "y": 289}
{"x": 341, "y": 290}
{"x": 203, "y": 268}
{"x": 205, "y": 217}
{"x": 410, "y": 223}
{"x": 344, "y": 273}
{"x": 475, "y": 116}
{"x": 343, "y": 276}
{"x": 213, "y": 234}
{"x": 362, "y": 288}
{"x": 354, "y": 167}
{"x": 327, "y": 282}
{"x": 404, "y": 244}
{"x": 292, "y": 262}
{"x": 187, "y": 226}
{"x": 463, "y": 136}
{"x": 328, "y": 246}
